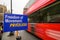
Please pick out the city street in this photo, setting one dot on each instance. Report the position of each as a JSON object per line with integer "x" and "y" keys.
{"x": 25, "y": 36}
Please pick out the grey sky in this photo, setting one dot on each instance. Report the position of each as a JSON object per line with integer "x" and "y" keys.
{"x": 18, "y": 5}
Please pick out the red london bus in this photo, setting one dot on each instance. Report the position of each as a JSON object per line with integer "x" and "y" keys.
{"x": 44, "y": 20}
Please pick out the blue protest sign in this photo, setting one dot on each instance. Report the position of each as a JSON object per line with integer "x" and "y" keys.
{"x": 13, "y": 22}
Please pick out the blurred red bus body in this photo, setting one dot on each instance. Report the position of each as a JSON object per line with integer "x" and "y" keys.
{"x": 44, "y": 20}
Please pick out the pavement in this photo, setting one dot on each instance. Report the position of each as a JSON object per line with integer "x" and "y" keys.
{"x": 25, "y": 36}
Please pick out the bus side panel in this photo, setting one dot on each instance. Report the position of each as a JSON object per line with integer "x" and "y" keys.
{"x": 48, "y": 31}
{"x": 29, "y": 27}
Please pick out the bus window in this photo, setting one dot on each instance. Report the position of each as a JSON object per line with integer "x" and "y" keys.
{"x": 54, "y": 14}
{"x": 48, "y": 15}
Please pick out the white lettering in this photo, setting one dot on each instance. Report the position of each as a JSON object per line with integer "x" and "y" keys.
{"x": 14, "y": 17}
{"x": 6, "y": 20}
